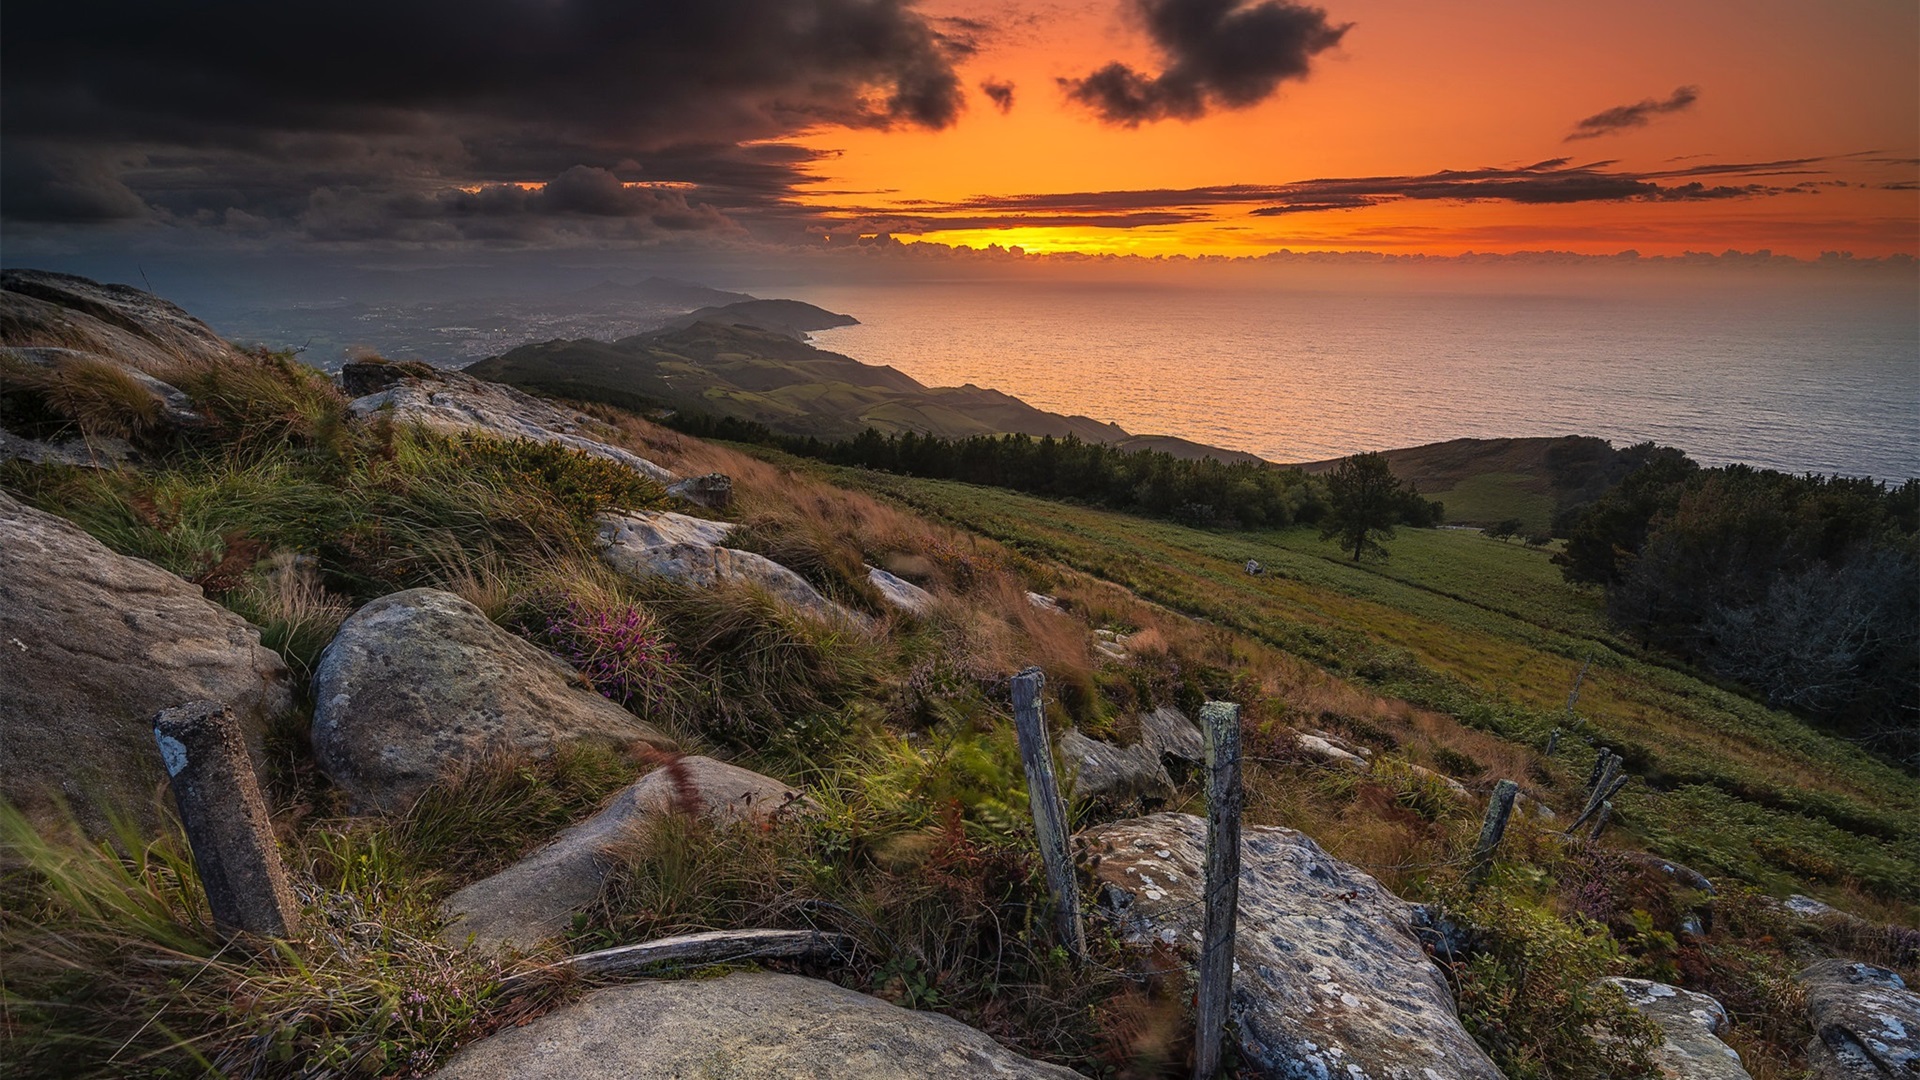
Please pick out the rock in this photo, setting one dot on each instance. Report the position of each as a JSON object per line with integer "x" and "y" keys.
{"x": 1330, "y": 980}
{"x": 452, "y": 402}
{"x": 1321, "y": 747}
{"x": 1145, "y": 772}
{"x": 686, "y": 550}
{"x": 640, "y": 531}
{"x": 1692, "y": 1024}
{"x": 535, "y": 898}
{"x": 137, "y": 329}
{"x": 176, "y": 408}
{"x": 92, "y": 645}
{"x": 418, "y": 684}
{"x": 1866, "y": 1023}
{"x": 1115, "y": 775}
{"x": 1686, "y": 876}
{"x": 752, "y": 1025}
{"x": 713, "y": 491}
{"x": 1458, "y": 789}
{"x": 94, "y": 453}
{"x": 900, "y": 592}
{"x": 1808, "y": 908}
{"x": 1045, "y": 602}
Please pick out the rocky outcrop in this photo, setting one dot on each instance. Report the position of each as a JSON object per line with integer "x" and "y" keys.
{"x": 746, "y": 1026}
{"x": 900, "y": 592}
{"x": 92, "y": 645}
{"x": 1329, "y": 978}
{"x": 1692, "y": 1025}
{"x": 1324, "y": 748}
{"x": 1144, "y": 772}
{"x": 1866, "y": 1023}
{"x": 713, "y": 490}
{"x": 688, "y": 551}
{"x": 418, "y": 684}
{"x": 451, "y": 402}
{"x": 137, "y": 329}
{"x": 535, "y": 898}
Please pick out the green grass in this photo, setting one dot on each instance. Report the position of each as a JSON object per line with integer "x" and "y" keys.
{"x": 1494, "y": 497}
{"x": 1488, "y": 633}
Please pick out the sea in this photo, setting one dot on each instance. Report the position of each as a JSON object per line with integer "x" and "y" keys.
{"x": 1802, "y": 379}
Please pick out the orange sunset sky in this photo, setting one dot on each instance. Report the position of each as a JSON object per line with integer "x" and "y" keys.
{"x": 1156, "y": 127}
{"x": 1414, "y": 89}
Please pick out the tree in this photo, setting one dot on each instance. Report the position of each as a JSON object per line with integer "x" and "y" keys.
{"x": 1364, "y": 500}
{"x": 1505, "y": 530}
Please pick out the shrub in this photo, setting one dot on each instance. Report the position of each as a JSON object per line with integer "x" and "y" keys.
{"x": 616, "y": 645}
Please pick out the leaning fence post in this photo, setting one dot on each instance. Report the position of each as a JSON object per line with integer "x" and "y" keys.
{"x": 1049, "y": 812}
{"x": 1222, "y": 723}
{"x": 1600, "y": 820}
{"x": 226, "y": 819}
{"x": 1602, "y": 796}
{"x": 1492, "y": 827}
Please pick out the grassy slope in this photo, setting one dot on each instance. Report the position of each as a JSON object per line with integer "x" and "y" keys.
{"x": 1488, "y": 632}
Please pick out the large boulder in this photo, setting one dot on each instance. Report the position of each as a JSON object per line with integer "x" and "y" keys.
{"x": 135, "y": 328}
{"x": 418, "y": 684}
{"x": 1144, "y": 771}
{"x": 1329, "y": 978}
{"x": 535, "y": 898}
{"x": 747, "y": 1026}
{"x": 1866, "y": 1023}
{"x": 92, "y": 645}
{"x": 687, "y": 551}
{"x": 1692, "y": 1024}
{"x": 451, "y": 402}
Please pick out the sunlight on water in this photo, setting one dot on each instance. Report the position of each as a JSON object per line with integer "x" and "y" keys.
{"x": 1827, "y": 382}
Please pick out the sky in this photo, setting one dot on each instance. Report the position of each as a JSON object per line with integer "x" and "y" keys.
{"x": 1146, "y": 127}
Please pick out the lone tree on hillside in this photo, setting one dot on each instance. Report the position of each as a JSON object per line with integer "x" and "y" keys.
{"x": 1366, "y": 500}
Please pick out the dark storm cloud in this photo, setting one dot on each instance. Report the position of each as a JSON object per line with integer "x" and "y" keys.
{"x": 1622, "y": 117}
{"x": 1217, "y": 54}
{"x": 1000, "y": 92}
{"x": 1555, "y": 181}
{"x": 111, "y": 104}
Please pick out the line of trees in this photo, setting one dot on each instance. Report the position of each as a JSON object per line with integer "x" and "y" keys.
{"x": 1206, "y": 492}
{"x": 1805, "y": 588}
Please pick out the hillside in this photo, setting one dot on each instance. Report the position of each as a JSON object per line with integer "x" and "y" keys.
{"x": 566, "y": 744}
{"x": 793, "y": 318}
{"x": 770, "y": 377}
{"x": 1484, "y": 481}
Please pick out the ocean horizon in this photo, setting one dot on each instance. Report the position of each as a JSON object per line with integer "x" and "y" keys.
{"x": 1823, "y": 380}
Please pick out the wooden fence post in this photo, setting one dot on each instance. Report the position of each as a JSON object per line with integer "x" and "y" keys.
{"x": 1600, "y": 820}
{"x": 1573, "y": 696}
{"x": 226, "y": 819}
{"x": 1492, "y": 827}
{"x": 1224, "y": 796}
{"x": 1602, "y": 796}
{"x": 1049, "y": 812}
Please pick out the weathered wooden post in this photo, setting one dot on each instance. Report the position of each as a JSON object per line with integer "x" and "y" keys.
{"x": 1553, "y": 741}
{"x": 1492, "y": 827}
{"x": 1049, "y": 812}
{"x": 226, "y": 819}
{"x": 1601, "y": 762}
{"x": 1221, "y": 720}
{"x": 1573, "y": 696}
{"x": 1600, "y": 820}
{"x": 1602, "y": 796}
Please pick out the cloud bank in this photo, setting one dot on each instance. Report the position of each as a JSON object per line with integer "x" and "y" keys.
{"x": 124, "y": 109}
